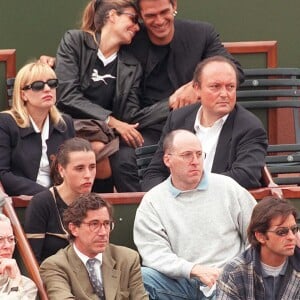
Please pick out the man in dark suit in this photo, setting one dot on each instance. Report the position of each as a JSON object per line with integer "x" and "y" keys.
{"x": 90, "y": 267}
{"x": 233, "y": 138}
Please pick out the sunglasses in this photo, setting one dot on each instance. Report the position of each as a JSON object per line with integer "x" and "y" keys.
{"x": 40, "y": 85}
{"x": 283, "y": 231}
{"x": 134, "y": 18}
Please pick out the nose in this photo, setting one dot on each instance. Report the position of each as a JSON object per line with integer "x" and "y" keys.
{"x": 223, "y": 91}
{"x": 159, "y": 19}
{"x": 46, "y": 87}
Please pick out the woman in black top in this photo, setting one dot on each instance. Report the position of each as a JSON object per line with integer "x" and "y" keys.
{"x": 73, "y": 172}
{"x": 31, "y": 131}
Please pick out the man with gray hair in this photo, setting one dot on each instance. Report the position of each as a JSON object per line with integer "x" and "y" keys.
{"x": 13, "y": 286}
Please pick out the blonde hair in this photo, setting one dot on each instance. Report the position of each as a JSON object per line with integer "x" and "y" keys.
{"x": 26, "y": 75}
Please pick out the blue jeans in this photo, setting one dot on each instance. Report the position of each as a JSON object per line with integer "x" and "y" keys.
{"x": 162, "y": 287}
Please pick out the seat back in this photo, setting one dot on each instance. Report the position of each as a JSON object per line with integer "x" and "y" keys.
{"x": 274, "y": 94}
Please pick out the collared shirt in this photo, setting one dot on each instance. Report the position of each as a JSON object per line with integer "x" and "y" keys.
{"x": 203, "y": 185}
{"x": 85, "y": 258}
{"x": 43, "y": 177}
{"x": 272, "y": 278}
{"x": 208, "y": 137}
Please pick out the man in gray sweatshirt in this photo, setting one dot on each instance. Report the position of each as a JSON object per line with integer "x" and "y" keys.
{"x": 187, "y": 227}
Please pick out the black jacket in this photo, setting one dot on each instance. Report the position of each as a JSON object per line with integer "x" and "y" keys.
{"x": 75, "y": 61}
{"x": 240, "y": 152}
{"x": 21, "y": 150}
{"x": 193, "y": 41}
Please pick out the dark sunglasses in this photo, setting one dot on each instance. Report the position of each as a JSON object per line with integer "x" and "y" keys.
{"x": 39, "y": 85}
{"x": 134, "y": 18}
{"x": 283, "y": 231}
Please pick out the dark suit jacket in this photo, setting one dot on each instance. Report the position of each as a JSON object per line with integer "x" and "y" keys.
{"x": 66, "y": 277}
{"x": 240, "y": 152}
{"x": 21, "y": 150}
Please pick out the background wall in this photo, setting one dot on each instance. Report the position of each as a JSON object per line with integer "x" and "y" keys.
{"x": 35, "y": 27}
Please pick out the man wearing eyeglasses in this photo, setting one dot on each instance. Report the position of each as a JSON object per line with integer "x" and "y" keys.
{"x": 13, "y": 286}
{"x": 90, "y": 267}
{"x": 188, "y": 227}
{"x": 270, "y": 268}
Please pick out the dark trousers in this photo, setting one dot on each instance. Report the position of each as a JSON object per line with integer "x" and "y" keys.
{"x": 123, "y": 163}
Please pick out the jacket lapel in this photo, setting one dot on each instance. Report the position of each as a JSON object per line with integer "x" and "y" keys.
{"x": 222, "y": 155}
{"x": 81, "y": 273}
{"x": 111, "y": 277}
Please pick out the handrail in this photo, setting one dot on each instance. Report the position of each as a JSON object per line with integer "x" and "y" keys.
{"x": 24, "y": 248}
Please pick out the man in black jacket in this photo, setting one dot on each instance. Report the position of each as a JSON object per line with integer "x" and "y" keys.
{"x": 233, "y": 138}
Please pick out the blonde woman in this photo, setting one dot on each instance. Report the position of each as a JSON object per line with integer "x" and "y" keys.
{"x": 31, "y": 131}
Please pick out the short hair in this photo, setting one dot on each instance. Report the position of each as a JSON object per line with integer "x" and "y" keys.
{"x": 95, "y": 14}
{"x": 168, "y": 142}
{"x": 138, "y": 4}
{"x": 78, "y": 209}
{"x": 26, "y": 75}
{"x": 267, "y": 209}
{"x": 4, "y": 218}
{"x": 218, "y": 58}
{"x": 63, "y": 156}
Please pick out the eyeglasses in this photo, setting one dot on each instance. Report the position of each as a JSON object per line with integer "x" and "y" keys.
{"x": 134, "y": 18}
{"x": 40, "y": 85}
{"x": 10, "y": 239}
{"x": 189, "y": 155}
{"x": 96, "y": 225}
{"x": 284, "y": 231}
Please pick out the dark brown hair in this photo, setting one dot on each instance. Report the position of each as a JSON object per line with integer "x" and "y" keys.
{"x": 78, "y": 209}
{"x": 63, "y": 156}
{"x": 267, "y": 209}
{"x": 96, "y": 12}
{"x": 138, "y": 4}
{"x": 218, "y": 58}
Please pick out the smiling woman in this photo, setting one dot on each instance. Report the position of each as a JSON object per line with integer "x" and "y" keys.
{"x": 99, "y": 80}
{"x": 31, "y": 131}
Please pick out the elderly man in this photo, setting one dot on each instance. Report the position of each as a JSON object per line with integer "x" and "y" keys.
{"x": 270, "y": 268}
{"x": 233, "y": 138}
{"x": 13, "y": 286}
{"x": 91, "y": 268}
{"x": 190, "y": 225}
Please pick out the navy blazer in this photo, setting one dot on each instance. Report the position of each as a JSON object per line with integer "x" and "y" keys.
{"x": 21, "y": 150}
{"x": 240, "y": 152}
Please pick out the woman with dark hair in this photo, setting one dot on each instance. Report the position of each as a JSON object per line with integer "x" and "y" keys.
{"x": 31, "y": 131}
{"x": 73, "y": 172}
{"x": 100, "y": 80}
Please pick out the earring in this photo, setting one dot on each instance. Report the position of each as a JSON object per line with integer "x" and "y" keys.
{"x": 175, "y": 13}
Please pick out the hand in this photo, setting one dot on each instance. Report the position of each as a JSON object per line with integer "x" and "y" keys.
{"x": 9, "y": 267}
{"x": 206, "y": 275}
{"x": 183, "y": 96}
{"x": 128, "y": 132}
{"x": 50, "y": 61}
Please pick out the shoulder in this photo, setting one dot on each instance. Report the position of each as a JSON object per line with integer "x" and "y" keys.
{"x": 42, "y": 199}
{"x": 6, "y": 119}
{"x": 68, "y": 119}
{"x": 60, "y": 258}
{"x": 244, "y": 116}
{"x": 127, "y": 58}
{"x": 74, "y": 34}
{"x": 122, "y": 253}
{"x": 185, "y": 111}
